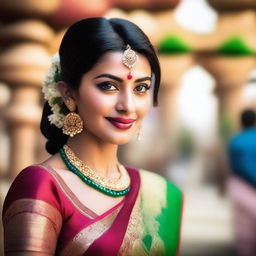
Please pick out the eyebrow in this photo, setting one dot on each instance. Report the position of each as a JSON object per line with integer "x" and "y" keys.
{"x": 118, "y": 79}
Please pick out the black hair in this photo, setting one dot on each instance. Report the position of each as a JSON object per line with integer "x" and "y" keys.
{"x": 84, "y": 43}
{"x": 248, "y": 118}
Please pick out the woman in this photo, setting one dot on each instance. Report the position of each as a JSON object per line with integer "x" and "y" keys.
{"x": 82, "y": 201}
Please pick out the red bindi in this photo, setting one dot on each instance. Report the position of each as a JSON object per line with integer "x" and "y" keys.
{"x": 129, "y": 76}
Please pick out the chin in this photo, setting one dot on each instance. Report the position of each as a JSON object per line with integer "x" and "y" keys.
{"x": 118, "y": 140}
{"x": 123, "y": 142}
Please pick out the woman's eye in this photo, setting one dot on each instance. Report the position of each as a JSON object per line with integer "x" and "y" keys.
{"x": 142, "y": 88}
{"x": 106, "y": 86}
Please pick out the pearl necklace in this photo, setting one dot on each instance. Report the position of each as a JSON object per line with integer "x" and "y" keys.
{"x": 94, "y": 179}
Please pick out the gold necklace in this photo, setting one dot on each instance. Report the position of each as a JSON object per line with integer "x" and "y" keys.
{"x": 123, "y": 182}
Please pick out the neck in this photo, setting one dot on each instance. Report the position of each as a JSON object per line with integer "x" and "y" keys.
{"x": 98, "y": 155}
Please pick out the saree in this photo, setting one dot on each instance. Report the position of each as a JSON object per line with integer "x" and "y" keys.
{"x": 42, "y": 215}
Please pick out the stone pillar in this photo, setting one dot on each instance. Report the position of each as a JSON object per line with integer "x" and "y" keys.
{"x": 23, "y": 63}
{"x": 4, "y": 143}
{"x": 173, "y": 67}
{"x": 231, "y": 74}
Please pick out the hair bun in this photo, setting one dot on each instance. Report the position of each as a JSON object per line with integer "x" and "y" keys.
{"x": 52, "y": 147}
{"x": 56, "y": 139}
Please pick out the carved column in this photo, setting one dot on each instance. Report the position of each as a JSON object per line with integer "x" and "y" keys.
{"x": 4, "y": 143}
{"x": 173, "y": 67}
{"x": 23, "y": 63}
{"x": 231, "y": 74}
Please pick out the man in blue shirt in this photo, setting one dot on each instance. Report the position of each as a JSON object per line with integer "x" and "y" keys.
{"x": 242, "y": 184}
{"x": 242, "y": 149}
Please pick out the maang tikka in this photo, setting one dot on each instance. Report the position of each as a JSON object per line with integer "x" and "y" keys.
{"x": 129, "y": 59}
{"x": 73, "y": 124}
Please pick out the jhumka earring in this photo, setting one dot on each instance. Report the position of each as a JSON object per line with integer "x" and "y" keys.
{"x": 139, "y": 134}
{"x": 73, "y": 124}
{"x": 129, "y": 59}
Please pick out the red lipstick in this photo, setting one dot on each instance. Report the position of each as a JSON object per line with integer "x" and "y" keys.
{"x": 121, "y": 123}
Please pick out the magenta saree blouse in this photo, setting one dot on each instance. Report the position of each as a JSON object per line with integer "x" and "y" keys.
{"x": 41, "y": 214}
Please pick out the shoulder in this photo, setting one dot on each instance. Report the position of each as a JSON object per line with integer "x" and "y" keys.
{"x": 158, "y": 186}
{"x": 33, "y": 178}
{"x": 34, "y": 182}
{"x": 242, "y": 139}
{"x": 33, "y": 172}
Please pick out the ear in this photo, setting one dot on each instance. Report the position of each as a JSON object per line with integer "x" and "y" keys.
{"x": 65, "y": 91}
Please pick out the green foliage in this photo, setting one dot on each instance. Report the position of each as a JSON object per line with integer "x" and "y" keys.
{"x": 225, "y": 128}
{"x": 172, "y": 44}
{"x": 235, "y": 46}
{"x": 57, "y": 100}
{"x": 56, "y": 76}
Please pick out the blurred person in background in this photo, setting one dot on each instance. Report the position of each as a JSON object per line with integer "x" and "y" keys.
{"x": 242, "y": 183}
{"x": 82, "y": 200}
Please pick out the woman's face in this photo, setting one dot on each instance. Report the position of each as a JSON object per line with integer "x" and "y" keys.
{"x": 111, "y": 105}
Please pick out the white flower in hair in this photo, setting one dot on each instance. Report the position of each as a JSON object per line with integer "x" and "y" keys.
{"x": 51, "y": 92}
{"x": 57, "y": 119}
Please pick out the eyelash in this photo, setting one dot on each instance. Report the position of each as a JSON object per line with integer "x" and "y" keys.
{"x": 102, "y": 86}
{"x": 145, "y": 86}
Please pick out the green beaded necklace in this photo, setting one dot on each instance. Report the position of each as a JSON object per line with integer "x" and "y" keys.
{"x": 90, "y": 182}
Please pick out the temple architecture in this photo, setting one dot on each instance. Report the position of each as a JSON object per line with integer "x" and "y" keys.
{"x": 31, "y": 32}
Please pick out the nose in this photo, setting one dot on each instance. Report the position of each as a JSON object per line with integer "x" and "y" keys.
{"x": 125, "y": 102}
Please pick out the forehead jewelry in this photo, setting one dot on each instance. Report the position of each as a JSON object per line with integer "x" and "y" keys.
{"x": 129, "y": 59}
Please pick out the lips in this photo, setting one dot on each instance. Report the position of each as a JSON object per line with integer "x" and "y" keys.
{"x": 121, "y": 123}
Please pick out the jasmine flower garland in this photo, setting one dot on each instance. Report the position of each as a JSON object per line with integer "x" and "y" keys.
{"x": 52, "y": 94}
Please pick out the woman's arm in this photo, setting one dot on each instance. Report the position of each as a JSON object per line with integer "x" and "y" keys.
{"x": 31, "y": 227}
{"x": 32, "y": 217}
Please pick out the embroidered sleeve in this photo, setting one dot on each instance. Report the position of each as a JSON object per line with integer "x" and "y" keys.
{"x": 31, "y": 225}
{"x": 32, "y": 216}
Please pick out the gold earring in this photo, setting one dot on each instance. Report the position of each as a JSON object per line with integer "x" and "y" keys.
{"x": 139, "y": 134}
{"x": 73, "y": 124}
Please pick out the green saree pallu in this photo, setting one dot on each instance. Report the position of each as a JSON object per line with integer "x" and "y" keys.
{"x": 154, "y": 225}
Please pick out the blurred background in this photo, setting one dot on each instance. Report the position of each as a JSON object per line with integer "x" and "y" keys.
{"x": 207, "y": 54}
